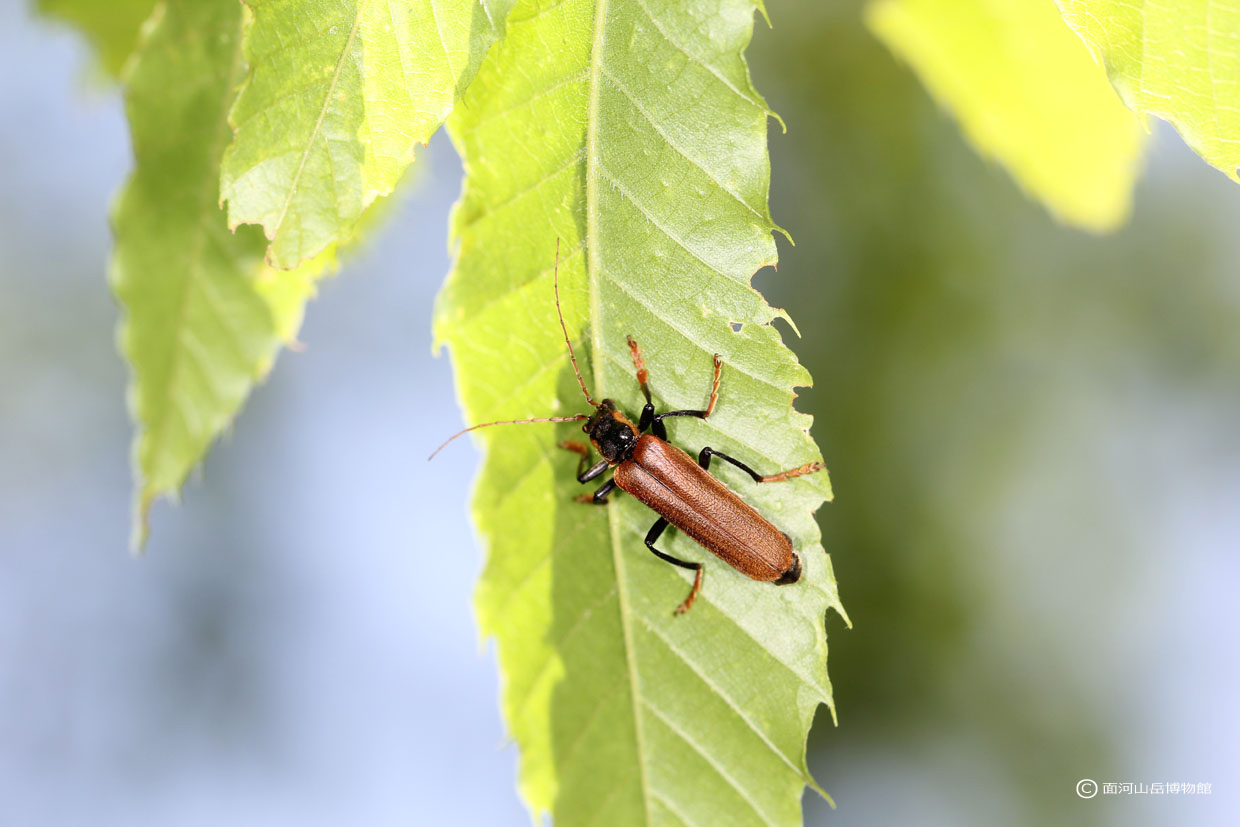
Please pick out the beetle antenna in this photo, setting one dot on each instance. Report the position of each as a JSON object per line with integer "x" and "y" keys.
{"x": 572, "y": 356}
{"x": 574, "y": 418}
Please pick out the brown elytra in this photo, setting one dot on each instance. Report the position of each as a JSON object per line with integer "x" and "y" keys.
{"x": 670, "y": 482}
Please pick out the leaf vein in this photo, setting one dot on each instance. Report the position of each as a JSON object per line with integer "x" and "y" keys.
{"x": 542, "y": 561}
{"x": 637, "y": 297}
{"x": 705, "y": 597}
{"x": 731, "y": 704}
{"x": 571, "y": 751}
{"x": 509, "y": 291}
{"x": 318, "y": 124}
{"x": 276, "y": 101}
{"x": 492, "y": 209}
{"x": 556, "y": 645}
{"x": 156, "y": 432}
{"x": 594, "y": 272}
{"x": 673, "y": 809}
{"x": 675, "y": 44}
{"x": 645, "y": 113}
{"x": 714, "y": 763}
{"x": 602, "y": 806}
{"x": 508, "y": 110}
{"x": 632, "y": 199}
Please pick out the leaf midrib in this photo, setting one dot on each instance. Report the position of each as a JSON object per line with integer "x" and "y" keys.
{"x": 593, "y": 273}
{"x": 193, "y": 272}
{"x": 318, "y": 124}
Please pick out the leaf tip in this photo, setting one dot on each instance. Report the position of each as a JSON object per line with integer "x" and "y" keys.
{"x": 140, "y": 531}
{"x": 783, "y": 127}
{"x": 762, "y": 10}
{"x": 780, "y": 313}
{"x": 813, "y": 784}
{"x": 838, "y": 606}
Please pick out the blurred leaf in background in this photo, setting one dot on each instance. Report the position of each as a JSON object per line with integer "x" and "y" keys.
{"x": 1179, "y": 61}
{"x": 977, "y": 369}
{"x": 111, "y": 27}
{"x": 1027, "y": 93}
{"x": 204, "y": 315}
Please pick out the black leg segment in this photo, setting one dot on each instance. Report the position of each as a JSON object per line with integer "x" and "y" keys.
{"x": 648, "y": 419}
{"x": 660, "y": 525}
{"x": 592, "y": 472}
{"x": 708, "y": 452}
{"x": 599, "y": 497}
{"x": 658, "y": 428}
{"x": 710, "y": 405}
{"x": 807, "y": 468}
{"x": 584, "y": 473}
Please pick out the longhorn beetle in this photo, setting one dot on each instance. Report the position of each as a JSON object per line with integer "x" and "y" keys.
{"x": 666, "y": 479}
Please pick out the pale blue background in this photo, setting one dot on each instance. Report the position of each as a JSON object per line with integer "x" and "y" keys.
{"x": 297, "y": 645}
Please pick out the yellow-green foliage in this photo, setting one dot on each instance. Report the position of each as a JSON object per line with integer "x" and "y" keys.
{"x": 337, "y": 96}
{"x": 589, "y": 124}
{"x": 1027, "y": 94}
{"x": 204, "y": 316}
{"x": 1179, "y": 61}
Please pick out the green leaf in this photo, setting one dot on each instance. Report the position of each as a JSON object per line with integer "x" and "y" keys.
{"x": 204, "y": 315}
{"x": 630, "y": 130}
{"x": 1178, "y": 61}
{"x": 337, "y": 96}
{"x": 111, "y": 27}
{"x": 1026, "y": 93}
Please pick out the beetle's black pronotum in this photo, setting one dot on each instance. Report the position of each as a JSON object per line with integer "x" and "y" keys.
{"x": 665, "y": 478}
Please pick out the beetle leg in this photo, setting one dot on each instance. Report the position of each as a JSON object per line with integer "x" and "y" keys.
{"x": 639, "y": 365}
{"x": 710, "y": 405}
{"x": 595, "y": 470}
{"x": 693, "y": 593}
{"x": 584, "y": 474}
{"x": 657, "y": 427}
{"x": 807, "y": 468}
{"x": 704, "y": 457}
{"x": 643, "y": 376}
{"x": 599, "y": 497}
{"x": 575, "y": 446}
{"x": 648, "y": 419}
{"x": 660, "y": 525}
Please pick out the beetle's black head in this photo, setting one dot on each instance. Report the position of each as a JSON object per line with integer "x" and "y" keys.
{"x": 613, "y": 435}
